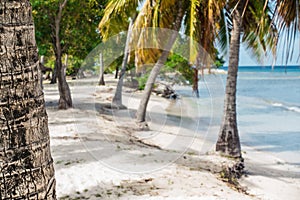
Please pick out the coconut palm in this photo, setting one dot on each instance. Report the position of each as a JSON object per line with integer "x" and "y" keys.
{"x": 200, "y": 30}
{"x": 117, "y": 15}
{"x": 160, "y": 14}
{"x": 252, "y": 19}
{"x": 26, "y": 167}
{"x": 202, "y": 26}
{"x": 165, "y": 8}
{"x": 228, "y": 142}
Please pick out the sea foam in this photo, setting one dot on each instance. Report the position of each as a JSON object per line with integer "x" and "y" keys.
{"x": 286, "y": 107}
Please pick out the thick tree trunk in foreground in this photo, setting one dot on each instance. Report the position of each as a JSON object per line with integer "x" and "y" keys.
{"x": 141, "y": 112}
{"x": 228, "y": 142}
{"x": 26, "y": 166}
{"x": 65, "y": 100}
{"x": 117, "y": 99}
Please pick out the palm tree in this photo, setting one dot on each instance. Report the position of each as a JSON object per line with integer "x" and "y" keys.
{"x": 179, "y": 6}
{"x": 160, "y": 14}
{"x": 229, "y": 142}
{"x": 113, "y": 22}
{"x": 26, "y": 167}
{"x": 200, "y": 32}
{"x": 202, "y": 27}
{"x": 259, "y": 34}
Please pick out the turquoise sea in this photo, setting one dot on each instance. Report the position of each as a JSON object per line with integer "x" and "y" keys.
{"x": 268, "y": 105}
{"x": 268, "y": 109}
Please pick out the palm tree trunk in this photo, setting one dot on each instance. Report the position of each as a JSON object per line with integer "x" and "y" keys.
{"x": 195, "y": 83}
{"x": 228, "y": 142}
{"x": 101, "y": 76}
{"x": 117, "y": 72}
{"x": 26, "y": 166}
{"x": 65, "y": 100}
{"x": 141, "y": 112}
{"x": 117, "y": 99}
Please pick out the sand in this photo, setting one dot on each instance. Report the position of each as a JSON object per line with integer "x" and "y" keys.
{"x": 100, "y": 153}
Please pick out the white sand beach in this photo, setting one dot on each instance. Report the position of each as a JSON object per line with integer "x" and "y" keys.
{"x": 100, "y": 153}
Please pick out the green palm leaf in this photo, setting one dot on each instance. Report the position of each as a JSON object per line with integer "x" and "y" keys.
{"x": 116, "y": 15}
{"x": 287, "y": 14}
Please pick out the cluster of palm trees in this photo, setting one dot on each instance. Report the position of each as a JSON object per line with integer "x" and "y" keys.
{"x": 229, "y": 22}
{"x": 26, "y": 167}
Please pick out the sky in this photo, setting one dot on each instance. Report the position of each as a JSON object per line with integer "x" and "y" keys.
{"x": 246, "y": 59}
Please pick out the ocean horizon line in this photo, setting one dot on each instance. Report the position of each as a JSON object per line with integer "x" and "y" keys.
{"x": 265, "y": 66}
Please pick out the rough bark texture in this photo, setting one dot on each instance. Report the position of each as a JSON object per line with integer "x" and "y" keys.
{"x": 26, "y": 166}
{"x": 141, "y": 112}
{"x": 117, "y": 99}
{"x": 65, "y": 100}
{"x": 228, "y": 142}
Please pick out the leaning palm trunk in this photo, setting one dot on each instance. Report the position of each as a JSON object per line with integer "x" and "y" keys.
{"x": 117, "y": 99}
{"x": 26, "y": 165}
{"x": 228, "y": 142}
{"x": 141, "y": 112}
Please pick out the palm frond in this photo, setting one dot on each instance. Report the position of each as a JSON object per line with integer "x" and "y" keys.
{"x": 193, "y": 28}
{"x": 116, "y": 15}
{"x": 210, "y": 16}
{"x": 287, "y": 15}
{"x": 223, "y": 36}
{"x": 159, "y": 15}
{"x": 260, "y": 33}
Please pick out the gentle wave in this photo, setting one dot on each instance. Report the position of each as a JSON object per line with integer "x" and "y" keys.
{"x": 290, "y": 108}
{"x": 295, "y": 109}
{"x": 277, "y": 104}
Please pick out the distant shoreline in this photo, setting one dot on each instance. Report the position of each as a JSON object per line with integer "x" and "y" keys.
{"x": 278, "y": 68}
{"x": 267, "y": 66}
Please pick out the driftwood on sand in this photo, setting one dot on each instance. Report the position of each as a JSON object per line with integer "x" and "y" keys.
{"x": 165, "y": 90}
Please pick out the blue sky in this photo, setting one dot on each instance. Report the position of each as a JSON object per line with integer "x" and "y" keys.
{"x": 246, "y": 59}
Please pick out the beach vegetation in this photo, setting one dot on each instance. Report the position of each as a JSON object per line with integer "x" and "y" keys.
{"x": 66, "y": 27}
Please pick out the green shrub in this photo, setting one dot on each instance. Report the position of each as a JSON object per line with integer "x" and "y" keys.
{"x": 142, "y": 81}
